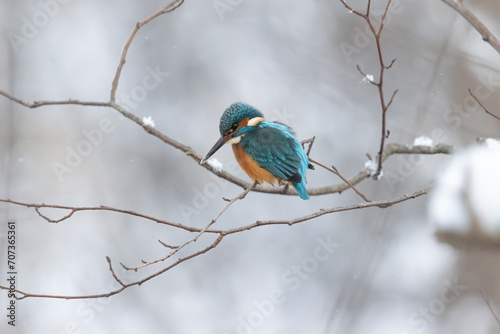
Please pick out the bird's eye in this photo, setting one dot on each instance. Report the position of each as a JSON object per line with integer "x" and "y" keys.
{"x": 234, "y": 126}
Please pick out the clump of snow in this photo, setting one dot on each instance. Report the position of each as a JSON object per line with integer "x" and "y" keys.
{"x": 446, "y": 207}
{"x": 367, "y": 78}
{"x": 148, "y": 121}
{"x": 423, "y": 141}
{"x": 216, "y": 165}
{"x": 466, "y": 198}
{"x": 492, "y": 143}
{"x": 372, "y": 166}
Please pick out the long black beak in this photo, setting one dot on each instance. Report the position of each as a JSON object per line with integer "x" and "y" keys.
{"x": 222, "y": 140}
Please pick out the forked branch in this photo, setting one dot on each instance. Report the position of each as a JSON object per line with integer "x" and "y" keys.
{"x": 221, "y": 234}
{"x": 377, "y": 32}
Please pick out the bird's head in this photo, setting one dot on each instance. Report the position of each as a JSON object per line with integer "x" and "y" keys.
{"x": 239, "y": 115}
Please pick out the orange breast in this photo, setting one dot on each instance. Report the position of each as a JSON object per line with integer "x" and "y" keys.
{"x": 251, "y": 167}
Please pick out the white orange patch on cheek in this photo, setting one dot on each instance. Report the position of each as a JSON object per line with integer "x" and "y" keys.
{"x": 234, "y": 140}
{"x": 254, "y": 121}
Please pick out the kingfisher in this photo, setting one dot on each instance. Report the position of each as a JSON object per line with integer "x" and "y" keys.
{"x": 266, "y": 151}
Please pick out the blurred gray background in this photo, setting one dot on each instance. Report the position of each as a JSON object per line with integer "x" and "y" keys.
{"x": 296, "y": 62}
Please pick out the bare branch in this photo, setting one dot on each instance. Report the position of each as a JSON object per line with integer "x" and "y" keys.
{"x": 380, "y": 204}
{"x": 475, "y": 22}
{"x": 97, "y": 208}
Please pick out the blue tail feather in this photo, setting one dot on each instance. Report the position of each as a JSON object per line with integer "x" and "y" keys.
{"x": 301, "y": 190}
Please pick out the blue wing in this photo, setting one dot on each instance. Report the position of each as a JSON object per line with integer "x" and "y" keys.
{"x": 274, "y": 147}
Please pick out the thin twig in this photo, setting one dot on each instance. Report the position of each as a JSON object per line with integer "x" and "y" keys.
{"x": 167, "y": 245}
{"x": 113, "y": 272}
{"x": 166, "y": 9}
{"x": 484, "y": 108}
{"x": 335, "y": 171}
{"x": 309, "y": 141}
